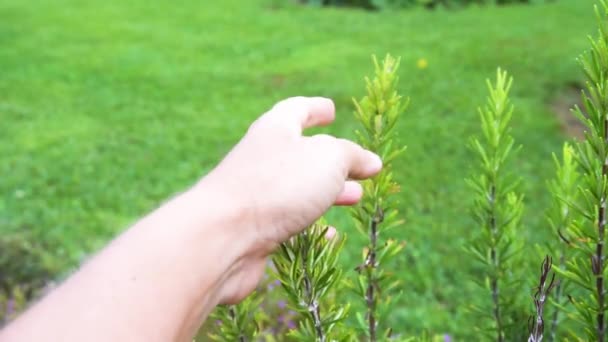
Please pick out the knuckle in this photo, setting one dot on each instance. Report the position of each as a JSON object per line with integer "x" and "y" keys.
{"x": 281, "y": 104}
{"x": 288, "y": 102}
{"x": 349, "y": 145}
{"x": 272, "y": 126}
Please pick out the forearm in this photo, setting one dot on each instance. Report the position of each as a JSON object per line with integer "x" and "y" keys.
{"x": 155, "y": 282}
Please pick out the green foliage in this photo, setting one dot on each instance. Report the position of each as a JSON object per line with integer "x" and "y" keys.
{"x": 237, "y": 322}
{"x": 497, "y": 210}
{"x": 377, "y": 213}
{"x": 587, "y": 268}
{"x": 84, "y": 153}
{"x": 426, "y": 337}
{"x": 307, "y": 267}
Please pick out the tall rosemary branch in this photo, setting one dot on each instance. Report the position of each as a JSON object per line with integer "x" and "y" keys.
{"x": 564, "y": 189}
{"x": 497, "y": 208}
{"x": 588, "y": 268}
{"x": 378, "y": 112}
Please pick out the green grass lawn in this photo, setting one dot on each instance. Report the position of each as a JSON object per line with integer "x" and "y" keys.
{"x": 107, "y": 108}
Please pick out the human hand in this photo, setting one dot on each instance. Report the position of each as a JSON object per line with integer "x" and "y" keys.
{"x": 281, "y": 181}
{"x": 209, "y": 245}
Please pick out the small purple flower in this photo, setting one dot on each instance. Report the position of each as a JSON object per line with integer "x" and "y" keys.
{"x": 281, "y": 318}
{"x": 271, "y": 265}
{"x": 447, "y": 338}
{"x": 291, "y": 325}
{"x": 281, "y": 304}
{"x": 218, "y": 322}
{"x": 10, "y": 307}
{"x": 272, "y": 285}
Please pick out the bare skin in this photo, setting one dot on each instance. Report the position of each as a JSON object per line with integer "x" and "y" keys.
{"x": 159, "y": 279}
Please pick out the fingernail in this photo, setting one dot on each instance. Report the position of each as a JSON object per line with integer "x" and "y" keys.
{"x": 331, "y": 233}
{"x": 375, "y": 164}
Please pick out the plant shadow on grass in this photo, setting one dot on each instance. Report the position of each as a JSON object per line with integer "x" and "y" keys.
{"x": 561, "y": 105}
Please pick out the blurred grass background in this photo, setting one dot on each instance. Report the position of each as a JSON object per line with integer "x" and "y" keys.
{"x": 108, "y": 108}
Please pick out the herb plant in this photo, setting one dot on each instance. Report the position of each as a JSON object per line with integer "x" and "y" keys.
{"x": 378, "y": 113}
{"x": 497, "y": 210}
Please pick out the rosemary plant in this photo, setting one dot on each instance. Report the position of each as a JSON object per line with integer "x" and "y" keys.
{"x": 378, "y": 113}
{"x": 587, "y": 269}
{"x": 237, "y": 322}
{"x": 497, "y": 208}
{"x": 564, "y": 189}
{"x": 307, "y": 267}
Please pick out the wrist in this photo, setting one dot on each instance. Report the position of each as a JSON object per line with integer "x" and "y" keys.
{"x": 223, "y": 223}
{"x": 196, "y": 248}
{"x": 233, "y": 219}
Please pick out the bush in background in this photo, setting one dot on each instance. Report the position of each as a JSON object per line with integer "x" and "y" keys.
{"x": 397, "y": 4}
{"x": 25, "y": 270}
{"x": 23, "y": 263}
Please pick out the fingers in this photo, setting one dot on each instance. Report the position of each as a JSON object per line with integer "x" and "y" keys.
{"x": 355, "y": 161}
{"x": 304, "y": 112}
{"x": 351, "y": 193}
{"x": 360, "y": 163}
